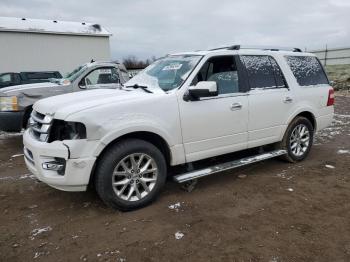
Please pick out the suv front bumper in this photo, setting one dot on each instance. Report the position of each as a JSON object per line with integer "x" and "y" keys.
{"x": 77, "y": 171}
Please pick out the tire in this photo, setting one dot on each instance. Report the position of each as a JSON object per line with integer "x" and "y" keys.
{"x": 122, "y": 174}
{"x": 297, "y": 147}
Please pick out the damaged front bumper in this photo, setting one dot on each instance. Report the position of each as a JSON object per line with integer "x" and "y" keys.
{"x": 64, "y": 165}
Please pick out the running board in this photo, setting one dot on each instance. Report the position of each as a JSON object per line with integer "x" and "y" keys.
{"x": 226, "y": 166}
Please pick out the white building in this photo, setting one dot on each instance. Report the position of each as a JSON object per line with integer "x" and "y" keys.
{"x": 42, "y": 45}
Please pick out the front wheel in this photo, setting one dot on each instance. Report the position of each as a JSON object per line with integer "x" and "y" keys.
{"x": 298, "y": 139}
{"x": 130, "y": 174}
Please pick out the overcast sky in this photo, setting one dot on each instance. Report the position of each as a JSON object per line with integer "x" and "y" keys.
{"x": 157, "y": 27}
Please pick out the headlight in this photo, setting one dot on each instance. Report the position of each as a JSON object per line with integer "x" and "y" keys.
{"x": 62, "y": 130}
{"x": 9, "y": 103}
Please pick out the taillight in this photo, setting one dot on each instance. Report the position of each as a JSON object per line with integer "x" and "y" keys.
{"x": 330, "y": 100}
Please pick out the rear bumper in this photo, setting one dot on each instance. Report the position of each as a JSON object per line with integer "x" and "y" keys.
{"x": 11, "y": 121}
{"x": 77, "y": 171}
{"x": 324, "y": 121}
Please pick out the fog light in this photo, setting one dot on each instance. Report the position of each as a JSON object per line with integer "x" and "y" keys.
{"x": 58, "y": 165}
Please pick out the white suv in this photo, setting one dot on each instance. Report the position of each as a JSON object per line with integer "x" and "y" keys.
{"x": 183, "y": 108}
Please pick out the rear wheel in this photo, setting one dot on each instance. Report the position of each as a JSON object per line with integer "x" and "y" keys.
{"x": 298, "y": 139}
{"x": 130, "y": 174}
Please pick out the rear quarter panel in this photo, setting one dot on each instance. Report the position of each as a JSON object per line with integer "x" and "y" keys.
{"x": 311, "y": 99}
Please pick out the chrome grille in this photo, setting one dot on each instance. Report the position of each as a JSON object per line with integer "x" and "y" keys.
{"x": 40, "y": 125}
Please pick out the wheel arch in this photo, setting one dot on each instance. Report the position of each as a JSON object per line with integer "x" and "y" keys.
{"x": 282, "y": 144}
{"x": 309, "y": 114}
{"x": 152, "y": 137}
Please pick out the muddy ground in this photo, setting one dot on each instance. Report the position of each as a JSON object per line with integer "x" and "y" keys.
{"x": 277, "y": 212}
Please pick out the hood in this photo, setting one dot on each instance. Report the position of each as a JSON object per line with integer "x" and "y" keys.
{"x": 62, "y": 106}
{"x": 13, "y": 90}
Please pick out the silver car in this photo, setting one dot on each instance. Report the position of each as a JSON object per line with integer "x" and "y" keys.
{"x": 16, "y": 101}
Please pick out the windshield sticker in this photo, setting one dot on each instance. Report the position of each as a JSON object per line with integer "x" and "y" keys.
{"x": 105, "y": 71}
{"x": 172, "y": 67}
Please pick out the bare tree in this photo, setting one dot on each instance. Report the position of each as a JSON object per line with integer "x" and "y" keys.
{"x": 132, "y": 62}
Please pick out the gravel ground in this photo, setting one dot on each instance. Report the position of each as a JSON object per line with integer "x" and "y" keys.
{"x": 270, "y": 211}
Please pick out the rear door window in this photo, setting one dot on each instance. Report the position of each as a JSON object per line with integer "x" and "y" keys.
{"x": 307, "y": 70}
{"x": 263, "y": 72}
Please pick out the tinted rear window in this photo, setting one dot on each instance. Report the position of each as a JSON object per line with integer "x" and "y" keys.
{"x": 307, "y": 70}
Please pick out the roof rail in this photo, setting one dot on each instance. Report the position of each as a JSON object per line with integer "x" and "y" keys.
{"x": 270, "y": 48}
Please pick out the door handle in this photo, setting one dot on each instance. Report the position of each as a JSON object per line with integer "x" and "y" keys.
{"x": 236, "y": 106}
{"x": 288, "y": 100}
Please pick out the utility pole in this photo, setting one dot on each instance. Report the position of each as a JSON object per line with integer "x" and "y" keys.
{"x": 325, "y": 56}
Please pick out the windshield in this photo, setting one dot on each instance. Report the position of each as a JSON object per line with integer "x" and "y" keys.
{"x": 76, "y": 73}
{"x": 166, "y": 73}
{"x": 5, "y": 78}
{"x": 70, "y": 77}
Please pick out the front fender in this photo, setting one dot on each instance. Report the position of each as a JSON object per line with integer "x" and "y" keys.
{"x": 140, "y": 127}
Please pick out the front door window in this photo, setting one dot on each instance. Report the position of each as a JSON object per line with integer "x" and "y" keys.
{"x": 101, "y": 77}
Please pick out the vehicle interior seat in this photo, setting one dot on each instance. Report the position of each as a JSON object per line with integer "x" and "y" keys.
{"x": 104, "y": 79}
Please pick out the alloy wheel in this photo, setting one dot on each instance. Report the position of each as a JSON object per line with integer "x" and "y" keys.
{"x": 134, "y": 177}
{"x": 299, "y": 140}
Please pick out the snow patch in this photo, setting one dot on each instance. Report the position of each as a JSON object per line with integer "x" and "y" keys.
{"x": 290, "y": 189}
{"x": 39, "y": 231}
{"x": 179, "y": 235}
{"x": 342, "y": 116}
{"x": 27, "y": 176}
{"x": 175, "y": 206}
{"x": 17, "y": 155}
{"x": 6, "y": 178}
{"x": 330, "y": 166}
{"x": 274, "y": 259}
{"x": 51, "y": 26}
{"x": 343, "y": 151}
{"x": 4, "y": 135}
{"x": 37, "y": 254}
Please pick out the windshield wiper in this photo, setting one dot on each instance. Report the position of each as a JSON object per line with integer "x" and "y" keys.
{"x": 144, "y": 88}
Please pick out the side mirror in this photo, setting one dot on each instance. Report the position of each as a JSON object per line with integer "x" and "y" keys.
{"x": 82, "y": 83}
{"x": 203, "y": 89}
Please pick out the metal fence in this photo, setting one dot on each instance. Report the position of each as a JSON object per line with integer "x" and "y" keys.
{"x": 333, "y": 56}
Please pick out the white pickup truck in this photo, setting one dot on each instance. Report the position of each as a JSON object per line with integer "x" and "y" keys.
{"x": 183, "y": 108}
